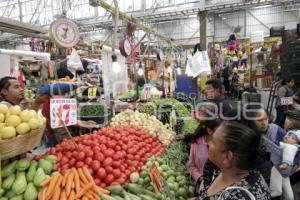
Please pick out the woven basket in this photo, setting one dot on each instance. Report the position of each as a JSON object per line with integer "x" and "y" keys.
{"x": 20, "y": 144}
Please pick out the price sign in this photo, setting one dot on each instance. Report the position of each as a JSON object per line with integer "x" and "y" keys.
{"x": 92, "y": 92}
{"x": 63, "y": 112}
{"x": 156, "y": 178}
{"x": 285, "y": 101}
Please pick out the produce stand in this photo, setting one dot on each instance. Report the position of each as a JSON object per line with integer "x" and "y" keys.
{"x": 111, "y": 162}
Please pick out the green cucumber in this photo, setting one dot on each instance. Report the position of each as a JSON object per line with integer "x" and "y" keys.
{"x": 132, "y": 196}
{"x": 146, "y": 197}
{"x": 117, "y": 197}
{"x": 106, "y": 197}
{"x": 136, "y": 189}
{"x": 115, "y": 189}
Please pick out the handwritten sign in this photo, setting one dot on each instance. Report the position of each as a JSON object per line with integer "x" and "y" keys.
{"x": 147, "y": 91}
{"x": 63, "y": 112}
{"x": 92, "y": 92}
{"x": 285, "y": 101}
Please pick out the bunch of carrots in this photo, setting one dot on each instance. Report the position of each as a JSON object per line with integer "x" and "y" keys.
{"x": 75, "y": 184}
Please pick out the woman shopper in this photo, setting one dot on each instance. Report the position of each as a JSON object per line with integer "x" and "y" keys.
{"x": 286, "y": 90}
{"x": 233, "y": 149}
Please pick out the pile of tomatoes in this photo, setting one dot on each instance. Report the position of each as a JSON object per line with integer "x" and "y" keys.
{"x": 111, "y": 154}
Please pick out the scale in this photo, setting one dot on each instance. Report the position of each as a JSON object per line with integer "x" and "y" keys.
{"x": 64, "y": 33}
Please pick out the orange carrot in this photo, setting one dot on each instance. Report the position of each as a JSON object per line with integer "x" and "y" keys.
{"x": 82, "y": 176}
{"x": 40, "y": 196}
{"x": 73, "y": 184}
{"x": 102, "y": 190}
{"x": 85, "y": 198}
{"x": 65, "y": 178}
{"x": 87, "y": 174}
{"x": 72, "y": 195}
{"x": 69, "y": 183}
{"x": 84, "y": 190}
{"x": 63, "y": 196}
{"x": 89, "y": 194}
{"x": 57, "y": 186}
{"x": 76, "y": 180}
{"x": 52, "y": 185}
{"x": 56, "y": 194}
{"x": 46, "y": 182}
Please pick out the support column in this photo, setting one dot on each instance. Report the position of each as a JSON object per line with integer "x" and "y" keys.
{"x": 245, "y": 24}
{"x": 20, "y": 11}
{"x": 202, "y": 15}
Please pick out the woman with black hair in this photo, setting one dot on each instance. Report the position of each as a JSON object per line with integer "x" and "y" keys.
{"x": 233, "y": 149}
{"x": 286, "y": 90}
{"x": 199, "y": 149}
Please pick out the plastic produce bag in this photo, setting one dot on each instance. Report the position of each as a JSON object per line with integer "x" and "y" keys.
{"x": 74, "y": 63}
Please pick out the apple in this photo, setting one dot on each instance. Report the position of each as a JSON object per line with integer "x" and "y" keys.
{"x": 13, "y": 120}
{"x": 8, "y": 132}
{"x": 34, "y": 123}
{"x": 15, "y": 110}
{"x": 3, "y": 108}
{"x": 23, "y": 128}
{"x": 2, "y": 118}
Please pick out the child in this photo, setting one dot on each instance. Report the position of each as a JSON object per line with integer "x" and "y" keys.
{"x": 279, "y": 184}
{"x": 290, "y": 146}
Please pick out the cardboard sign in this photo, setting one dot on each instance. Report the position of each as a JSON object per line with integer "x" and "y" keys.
{"x": 63, "y": 112}
{"x": 92, "y": 92}
{"x": 285, "y": 101}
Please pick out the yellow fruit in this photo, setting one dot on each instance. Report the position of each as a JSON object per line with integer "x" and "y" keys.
{"x": 2, "y": 125}
{"x": 23, "y": 128}
{"x": 3, "y": 108}
{"x": 25, "y": 116}
{"x": 32, "y": 114}
{"x": 2, "y": 118}
{"x": 8, "y": 132}
{"x": 13, "y": 120}
{"x": 15, "y": 110}
{"x": 7, "y": 114}
{"x": 33, "y": 123}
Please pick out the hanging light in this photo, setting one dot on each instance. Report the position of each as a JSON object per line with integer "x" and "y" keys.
{"x": 140, "y": 72}
{"x": 178, "y": 71}
{"x": 116, "y": 68}
{"x": 169, "y": 69}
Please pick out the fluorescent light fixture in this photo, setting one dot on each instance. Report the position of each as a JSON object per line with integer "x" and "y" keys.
{"x": 169, "y": 69}
{"x": 265, "y": 6}
{"x": 140, "y": 72}
{"x": 178, "y": 71}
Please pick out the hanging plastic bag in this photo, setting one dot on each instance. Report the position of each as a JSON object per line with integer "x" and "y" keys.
{"x": 74, "y": 63}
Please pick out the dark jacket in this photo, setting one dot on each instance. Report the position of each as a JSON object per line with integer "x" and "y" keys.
{"x": 223, "y": 105}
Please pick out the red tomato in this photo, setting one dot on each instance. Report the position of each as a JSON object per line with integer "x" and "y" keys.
{"x": 75, "y": 154}
{"x": 116, "y": 164}
{"x": 109, "y": 179}
{"x": 72, "y": 162}
{"x": 127, "y": 172}
{"x": 116, "y": 173}
{"x": 79, "y": 164}
{"x": 101, "y": 173}
{"x": 107, "y": 162}
{"x": 117, "y": 136}
{"x": 122, "y": 168}
{"x": 103, "y": 185}
{"x": 95, "y": 165}
{"x": 52, "y": 151}
{"x": 118, "y": 148}
{"x": 64, "y": 160}
{"x": 130, "y": 157}
{"x": 68, "y": 154}
{"x": 109, "y": 169}
{"x": 89, "y": 153}
{"x": 80, "y": 155}
{"x": 88, "y": 160}
{"x": 99, "y": 156}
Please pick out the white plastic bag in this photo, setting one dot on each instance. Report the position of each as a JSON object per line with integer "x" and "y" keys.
{"x": 74, "y": 63}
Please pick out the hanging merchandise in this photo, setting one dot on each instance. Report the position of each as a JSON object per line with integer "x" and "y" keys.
{"x": 74, "y": 62}
{"x": 200, "y": 63}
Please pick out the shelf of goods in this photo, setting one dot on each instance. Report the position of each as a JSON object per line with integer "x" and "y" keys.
{"x": 112, "y": 163}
